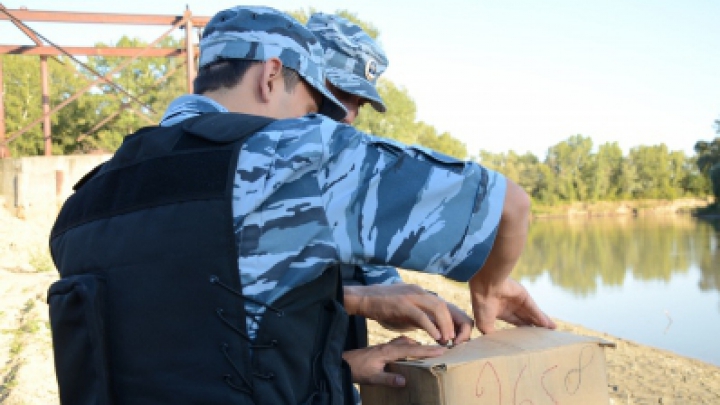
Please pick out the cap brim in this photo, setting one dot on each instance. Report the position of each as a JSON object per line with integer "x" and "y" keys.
{"x": 351, "y": 83}
{"x": 330, "y": 107}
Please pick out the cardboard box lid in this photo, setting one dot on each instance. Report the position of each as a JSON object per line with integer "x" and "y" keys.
{"x": 513, "y": 366}
{"x": 505, "y": 342}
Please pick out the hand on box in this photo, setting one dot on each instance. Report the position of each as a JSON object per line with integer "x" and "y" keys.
{"x": 407, "y": 306}
{"x": 368, "y": 364}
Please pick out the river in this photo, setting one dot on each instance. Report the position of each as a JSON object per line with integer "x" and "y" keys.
{"x": 652, "y": 280}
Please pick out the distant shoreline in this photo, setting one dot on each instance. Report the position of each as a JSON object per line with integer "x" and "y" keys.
{"x": 637, "y": 208}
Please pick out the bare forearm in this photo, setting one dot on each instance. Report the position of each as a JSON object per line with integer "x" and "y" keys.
{"x": 509, "y": 241}
{"x": 353, "y": 299}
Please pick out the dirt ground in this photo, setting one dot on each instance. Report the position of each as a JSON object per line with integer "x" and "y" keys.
{"x": 637, "y": 374}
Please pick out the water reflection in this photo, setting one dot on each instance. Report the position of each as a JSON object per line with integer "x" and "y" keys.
{"x": 630, "y": 277}
{"x": 709, "y": 263}
{"x": 579, "y": 255}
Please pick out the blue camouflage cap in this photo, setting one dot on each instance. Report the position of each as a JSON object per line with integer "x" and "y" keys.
{"x": 259, "y": 33}
{"x": 353, "y": 60}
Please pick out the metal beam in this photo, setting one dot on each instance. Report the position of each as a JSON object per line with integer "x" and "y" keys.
{"x": 47, "y": 125}
{"x": 190, "y": 52}
{"x": 20, "y": 16}
{"x": 90, "y": 51}
{"x": 35, "y": 36}
{"x": 88, "y": 87}
{"x": 45, "y": 87}
{"x": 4, "y": 149}
{"x": 100, "y": 18}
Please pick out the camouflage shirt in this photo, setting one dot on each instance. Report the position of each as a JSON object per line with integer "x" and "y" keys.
{"x": 311, "y": 192}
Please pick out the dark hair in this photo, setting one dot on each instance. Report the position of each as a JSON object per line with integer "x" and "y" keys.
{"x": 229, "y": 72}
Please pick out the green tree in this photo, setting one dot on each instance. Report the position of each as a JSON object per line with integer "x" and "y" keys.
{"x": 303, "y": 15}
{"x": 78, "y": 117}
{"x": 627, "y": 180}
{"x": 570, "y": 161}
{"x": 603, "y": 172}
{"x": 142, "y": 79}
{"x": 715, "y": 180}
{"x": 398, "y": 122}
{"x": 522, "y": 169}
{"x": 149, "y": 85}
{"x": 708, "y": 157}
{"x": 695, "y": 183}
{"x": 427, "y": 136}
{"x": 654, "y": 166}
{"x": 23, "y": 103}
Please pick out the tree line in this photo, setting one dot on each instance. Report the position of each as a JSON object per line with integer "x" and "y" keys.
{"x": 575, "y": 171}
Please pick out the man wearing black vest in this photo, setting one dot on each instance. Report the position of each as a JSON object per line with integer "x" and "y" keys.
{"x": 200, "y": 264}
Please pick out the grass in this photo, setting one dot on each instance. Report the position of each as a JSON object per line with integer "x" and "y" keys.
{"x": 28, "y": 326}
{"x": 41, "y": 261}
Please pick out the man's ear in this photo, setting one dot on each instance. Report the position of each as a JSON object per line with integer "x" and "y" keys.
{"x": 271, "y": 80}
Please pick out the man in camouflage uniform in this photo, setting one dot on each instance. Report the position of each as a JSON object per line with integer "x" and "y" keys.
{"x": 354, "y": 63}
{"x": 309, "y": 194}
{"x": 492, "y": 186}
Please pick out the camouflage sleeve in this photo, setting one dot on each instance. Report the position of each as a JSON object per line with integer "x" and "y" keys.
{"x": 408, "y": 207}
{"x": 380, "y": 275}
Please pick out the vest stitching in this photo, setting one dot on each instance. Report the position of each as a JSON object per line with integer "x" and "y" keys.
{"x": 228, "y": 378}
{"x": 228, "y": 381}
{"x": 220, "y": 313}
{"x": 216, "y": 281}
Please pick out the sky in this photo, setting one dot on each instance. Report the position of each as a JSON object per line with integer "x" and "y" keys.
{"x": 504, "y": 75}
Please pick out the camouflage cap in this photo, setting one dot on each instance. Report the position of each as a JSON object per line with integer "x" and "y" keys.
{"x": 353, "y": 60}
{"x": 260, "y": 33}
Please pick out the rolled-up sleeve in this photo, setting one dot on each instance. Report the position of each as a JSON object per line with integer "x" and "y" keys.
{"x": 409, "y": 207}
{"x": 384, "y": 275}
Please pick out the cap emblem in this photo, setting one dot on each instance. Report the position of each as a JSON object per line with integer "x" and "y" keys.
{"x": 371, "y": 68}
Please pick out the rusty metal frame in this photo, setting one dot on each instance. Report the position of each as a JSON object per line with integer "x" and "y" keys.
{"x": 20, "y": 16}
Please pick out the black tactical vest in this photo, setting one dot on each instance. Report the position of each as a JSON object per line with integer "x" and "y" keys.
{"x": 149, "y": 308}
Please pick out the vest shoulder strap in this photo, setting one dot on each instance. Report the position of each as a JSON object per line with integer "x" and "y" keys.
{"x": 225, "y": 127}
{"x": 217, "y": 127}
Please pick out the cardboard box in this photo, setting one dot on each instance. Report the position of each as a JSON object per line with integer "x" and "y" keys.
{"x": 518, "y": 366}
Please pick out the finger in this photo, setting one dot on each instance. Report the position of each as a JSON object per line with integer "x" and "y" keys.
{"x": 403, "y": 340}
{"x": 463, "y": 332}
{"x": 387, "y": 379}
{"x": 542, "y": 320}
{"x": 486, "y": 327}
{"x": 463, "y": 324}
{"x": 421, "y": 320}
{"x": 551, "y": 324}
{"x": 394, "y": 352}
{"x": 485, "y": 319}
{"x": 440, "y": 313}
{"x": 535, "y": 316}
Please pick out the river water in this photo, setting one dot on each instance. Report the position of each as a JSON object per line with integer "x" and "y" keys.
{"x": 652, "y": 280}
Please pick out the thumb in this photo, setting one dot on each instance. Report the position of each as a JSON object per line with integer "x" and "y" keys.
{"x": 485, "y": 321}
{"x": 388, "y": 379}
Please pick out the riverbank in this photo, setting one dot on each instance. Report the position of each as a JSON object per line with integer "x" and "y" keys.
{"x": 638, "y": 374}
{"x": 621, "y": 208}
